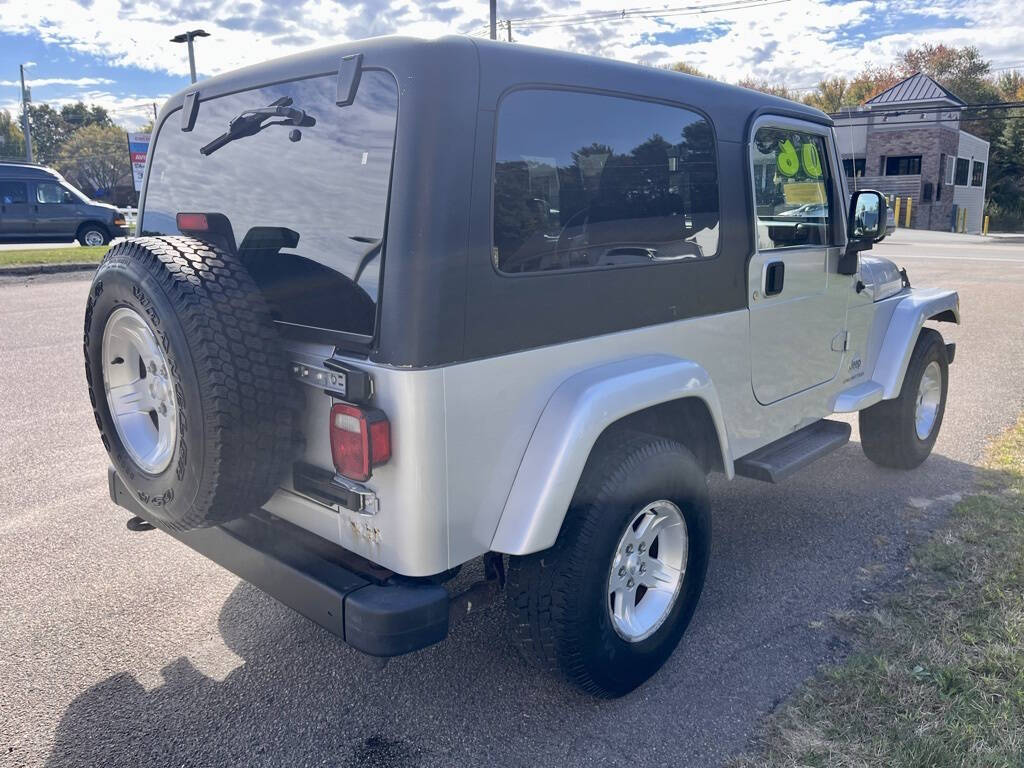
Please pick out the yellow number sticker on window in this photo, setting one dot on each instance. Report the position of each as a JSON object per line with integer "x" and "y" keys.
{"x": 812, "y": 162}
{"x": 787, "y": 161}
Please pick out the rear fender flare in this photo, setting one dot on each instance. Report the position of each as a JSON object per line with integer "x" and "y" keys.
{"x": 579, "y": 410}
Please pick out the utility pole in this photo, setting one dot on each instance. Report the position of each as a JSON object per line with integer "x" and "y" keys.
{"x": 26, "y": 128}
{"x": 188, "y": 37}
{"x": 509, "y": 28}
{"x": 494, "y": 19}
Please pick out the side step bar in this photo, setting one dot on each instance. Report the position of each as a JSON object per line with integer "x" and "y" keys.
{"x": 777, "y": 461}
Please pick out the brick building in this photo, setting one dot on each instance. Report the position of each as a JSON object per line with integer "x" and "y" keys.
{"x": 907, "y": 142}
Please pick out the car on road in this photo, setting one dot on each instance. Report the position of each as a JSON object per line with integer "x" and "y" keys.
{"x": 37, "y": 203}
{"x": 397, "y": 306}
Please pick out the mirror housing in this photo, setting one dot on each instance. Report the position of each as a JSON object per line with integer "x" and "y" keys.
{"x": 864, "y": 226}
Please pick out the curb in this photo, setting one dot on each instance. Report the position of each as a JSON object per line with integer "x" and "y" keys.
{"x": 27, "y": 270}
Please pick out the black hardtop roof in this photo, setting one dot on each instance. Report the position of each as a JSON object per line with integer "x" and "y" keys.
{"x": 9, "y": 170}
{"x": 409, "y": 57}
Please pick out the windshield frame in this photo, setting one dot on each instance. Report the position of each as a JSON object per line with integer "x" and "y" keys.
{"x": 347, "y": 341}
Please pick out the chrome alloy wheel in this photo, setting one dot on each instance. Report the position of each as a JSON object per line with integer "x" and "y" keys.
{"x": 647, "y": 570}
{"x": 929, "y": 393}
{"x": 92, "y": 237}
{"x": 139, "y": 390}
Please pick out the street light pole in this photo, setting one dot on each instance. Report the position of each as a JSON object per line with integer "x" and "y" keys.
{"x": 188, "y": 37}
{"x": 26, "y": 127}
{"x": 494, "y": 19}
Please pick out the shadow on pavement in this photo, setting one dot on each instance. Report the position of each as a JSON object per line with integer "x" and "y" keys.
{"x": 785, "y": 558}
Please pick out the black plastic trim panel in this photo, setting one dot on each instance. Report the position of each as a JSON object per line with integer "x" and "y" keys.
{"x": 307, "y": 574}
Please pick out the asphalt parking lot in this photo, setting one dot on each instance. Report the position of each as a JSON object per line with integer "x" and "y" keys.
{"x": 126, "y": 649}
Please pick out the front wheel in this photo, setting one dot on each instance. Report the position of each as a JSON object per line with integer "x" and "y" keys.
{"x": 93, "y": 235}
{"x": 901, "y": 433}
{"x": 609, "y": 602}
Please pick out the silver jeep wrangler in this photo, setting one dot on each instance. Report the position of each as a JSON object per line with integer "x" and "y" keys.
{"x": 399, "y": 305}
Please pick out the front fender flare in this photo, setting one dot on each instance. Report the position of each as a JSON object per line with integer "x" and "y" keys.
{"x": 579, "y": 410}
{"x": 901, "y": 336}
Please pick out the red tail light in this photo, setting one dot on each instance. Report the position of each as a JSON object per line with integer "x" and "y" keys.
{"x": 192, "y": 222}
{"x": 360, "y": 440}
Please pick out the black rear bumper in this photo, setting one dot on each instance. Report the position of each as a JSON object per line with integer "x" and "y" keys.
{"x": 374, "y": 612}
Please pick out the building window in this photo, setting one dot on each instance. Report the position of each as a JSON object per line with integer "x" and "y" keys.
{"x": 948, "y": 163}
{"x": 585, "y": 180}
{"x": 977, "y": 174}
{"x": 853, "y": 167}
{"x": 907, "y": 165}
{"x": 962, "y": 167}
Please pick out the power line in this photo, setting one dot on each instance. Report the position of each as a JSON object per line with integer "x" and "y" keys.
{"x": 599, "y": 17}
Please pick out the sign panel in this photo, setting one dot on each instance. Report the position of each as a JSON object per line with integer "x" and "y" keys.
{"x": 138, "y": 148}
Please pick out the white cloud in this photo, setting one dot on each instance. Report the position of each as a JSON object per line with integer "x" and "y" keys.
{"x": 45, "y": 81}
{"x": 796, "y": 42}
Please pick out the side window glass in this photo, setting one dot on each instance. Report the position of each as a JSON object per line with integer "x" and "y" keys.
{"x": 585, "y": 180}
{"x": 792, "y": 188}
{"x": 47, "y": 192}
{"x": 12, "y": 192}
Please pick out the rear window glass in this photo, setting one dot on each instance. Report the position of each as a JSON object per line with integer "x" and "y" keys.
{"x": 585, "y": 180}
{"x": 306, "y": 205}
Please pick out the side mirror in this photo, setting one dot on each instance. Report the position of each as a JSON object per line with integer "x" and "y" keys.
{"x": 865, "y": 225}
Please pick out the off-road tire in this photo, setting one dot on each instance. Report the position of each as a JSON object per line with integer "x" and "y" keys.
{"x": 887, "y": 430}
{"x": 83, "y": 231}
{"x": 558, "y": 599}
{"x": 227, "y": 369}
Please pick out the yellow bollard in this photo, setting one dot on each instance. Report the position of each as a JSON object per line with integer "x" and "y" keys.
{"x": 984, "y": 226}
{"x": 896, "y": 212}
{"x": 908, "y": 211}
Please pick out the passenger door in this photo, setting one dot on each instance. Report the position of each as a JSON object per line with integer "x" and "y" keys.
{"x": 797, "y": 298}
{"x": 56, "y": 210}
{"x": 15, "y": 212}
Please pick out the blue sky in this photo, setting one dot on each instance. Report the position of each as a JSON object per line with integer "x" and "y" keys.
{"x": 117, "y": 53}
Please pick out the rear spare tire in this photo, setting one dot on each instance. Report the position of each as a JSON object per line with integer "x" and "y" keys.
{"x": 187, "y": 379}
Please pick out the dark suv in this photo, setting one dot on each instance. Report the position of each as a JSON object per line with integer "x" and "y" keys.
{"x": 37, "y": 202}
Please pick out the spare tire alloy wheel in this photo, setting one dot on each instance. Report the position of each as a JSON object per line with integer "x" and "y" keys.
{"x": 188, "y": 381}
{"x": 139, "y": 391}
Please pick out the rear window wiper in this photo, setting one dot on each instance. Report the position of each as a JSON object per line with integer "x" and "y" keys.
{"x": 252, "y": 121}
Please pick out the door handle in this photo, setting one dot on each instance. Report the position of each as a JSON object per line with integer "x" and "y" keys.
{"x": 774, "y": 277}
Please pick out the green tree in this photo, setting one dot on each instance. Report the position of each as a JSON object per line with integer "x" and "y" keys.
{"x": 12, "y": 142}
{"x": 95, "y": 158}
{"x": 79, "y": 115}
{"x": 962, "y": 70}
{"x": 688, "y": 69}
{"x": 829, "y": 95}
{"x": 49, "y": 132}
{"x": 765, "y": 86}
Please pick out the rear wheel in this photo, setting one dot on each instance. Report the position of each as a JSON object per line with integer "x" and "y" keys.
{"x": 188, "y": 380}
{"x": 901, "y": 433}
{"x": 609, "y": 602}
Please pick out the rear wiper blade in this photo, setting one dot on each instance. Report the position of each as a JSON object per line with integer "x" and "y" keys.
{"x": 252, "y": 121}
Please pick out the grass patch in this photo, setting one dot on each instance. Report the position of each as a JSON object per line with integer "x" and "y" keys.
{"x": 52, "y": 255}
{"x": 939, "y": 677}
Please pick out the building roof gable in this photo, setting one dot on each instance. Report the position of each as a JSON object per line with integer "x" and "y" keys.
{"x": 918, "y": 87}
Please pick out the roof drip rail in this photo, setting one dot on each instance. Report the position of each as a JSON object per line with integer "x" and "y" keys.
{"x": 348, "y": 79}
